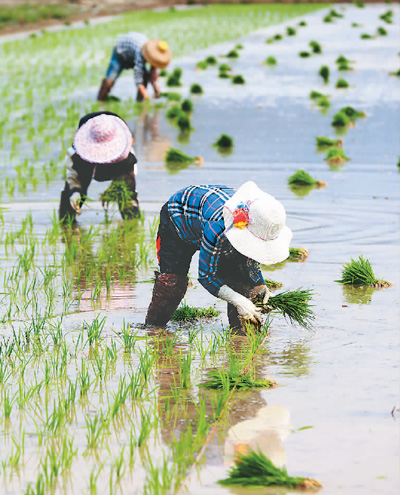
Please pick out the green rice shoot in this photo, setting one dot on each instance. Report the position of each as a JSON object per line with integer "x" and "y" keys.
{"x": 227, "y": 380}
{"x": 172, "y": 96}
{"x": 336, "y": 156}
{"x": 232, "y": 54}
{"x": 211, "y": 60}
{"x": 183, "y": 123}
{"x": 359, "y": 272}
{"x": 304, "y": 54}
{"x": 174, "y": 155}
{"x": 255, "y": 469}
{"x": 325, "y": 142}
{"x": 196, "y": 89}
{"x": 352, "y": 113}
{"x": 118, "y": 193}
{"x": 190, "y": 313}
{"x": 271, "y": 60}
{"x": 315, "y": 47}
{"x": 340, "y": 119}
{"x": 342, "y": 83}
{"x": 301, "y": 178}
{"x": 238, "y": 79}
{"x": 298, "y": 254}
{"x": 173, "y": 112}
{"x": 324, "y": 73}
{"x": 272, "y": 284}
{"x": 187, "y": 106}
{"x": 290, "y": 31}
{"x": 224, "y": 141}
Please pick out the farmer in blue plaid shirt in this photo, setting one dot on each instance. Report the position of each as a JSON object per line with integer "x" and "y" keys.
{"x": 135, "y": 51}
{"x": 233, "y": 232}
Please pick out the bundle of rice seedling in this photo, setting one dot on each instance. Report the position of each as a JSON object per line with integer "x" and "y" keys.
{"x": 328, "y": 18}
{"x": 324, "y": 73}
{"x": 315, "y": 46}
{"x": 344, "y": 66}
{"x": 254, "y": 469}
{"x": 271, "y": 60}
{"x": 229, "y": 379}
{"x": 239, "y": 47}
{"x": 202, "y": 65}
{"x": 387, "y": 16}
{"x": 298, "y": 254}
{"x": 294, "y": 305}
{"x": 381, "y": 31}
{"x": 174, "y": 155}
{"x": 352, "y": 113}
{"x": 303, "y": 178}
{"x": 172, "y": 96}
{"x": 196, "y": 89}
{"x": 163, "y": 73}
{"x": 184, "y": 124}
{"x": 211, "y": 60}
{"x": 366, "y": 36}
{"x": 232, "y": 54}
{"x": 342, "y": 83}
{"x": 325, "y": 142}
{"x": 334, "y": 13}
{"x": 224, "y": 141}
{"x": 290, "y": 31}
{"x": 359, "y": 272}
{"x": 173, "y": 112}
{"x": 238, "y": 79}
{"x": 119, "y": 193}
{"x": 323, "y": 102}
{"x": 188, "y": 313}
{"x": 272, "y": 284}
{"x": 223, "y": 74}
{"x": 187, "y": 106}
{"x": 355, "y": 24}
{"x": 314, "y": 95}
{"x": 174, "y": 79}
{"x": 360, "y": 5}
{"x": 336, "y": 156}
{"x": 278, "y": 37}
{"x": 340, "y": 119}
{"x": 302, "y": 23}
{"x": 397, "y": 73}
{"x": 224, "y": 67}
{"x": 342, "y": 60}
{"x": 304, "y": 54}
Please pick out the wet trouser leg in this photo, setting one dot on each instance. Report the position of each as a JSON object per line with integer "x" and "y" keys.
{"x": 174, "y": 257}
{"x": 113, "y": 72}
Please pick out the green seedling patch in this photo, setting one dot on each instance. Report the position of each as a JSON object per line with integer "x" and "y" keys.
{"x": 359, "y": 272}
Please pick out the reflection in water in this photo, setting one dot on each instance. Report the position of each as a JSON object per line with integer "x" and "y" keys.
{"x": 300, "y": 191}
{"x": 151, "y": 145}
{"x": 357, "y": 295}
{"x": 295, "y": 359}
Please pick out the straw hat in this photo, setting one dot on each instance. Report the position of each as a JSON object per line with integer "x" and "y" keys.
{"x": 255, "y": 225}
{"x": 157, "y": 53}
{"x": 103, "y": 139}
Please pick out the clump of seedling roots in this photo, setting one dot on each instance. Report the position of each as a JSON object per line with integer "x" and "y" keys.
{"x": 254, "y": 469}
{"x": 190, "y": 313}
{"x": 359, "y": 272}
{"x": 294, "y": 305}
{"x": 303, "y": 178}
{"x": 175, "y": 156}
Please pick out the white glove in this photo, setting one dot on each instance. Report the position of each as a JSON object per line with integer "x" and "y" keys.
{"x": 264, "y": 294}
{"x": 75, "y": 201}
{"x": 246, "y": 309}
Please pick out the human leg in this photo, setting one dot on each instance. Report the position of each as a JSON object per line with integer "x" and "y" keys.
{"x": 113, "y": 71}
{"x": 174, "y": 257}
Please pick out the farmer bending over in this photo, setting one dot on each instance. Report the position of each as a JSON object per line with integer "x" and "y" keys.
{"x": 234, "y": 232}
{"x": 102, "y": 150}
{"x": 132, "y": 51}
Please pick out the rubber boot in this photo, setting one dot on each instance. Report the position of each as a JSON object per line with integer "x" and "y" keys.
{"x": 105, "y": 88}
{"x": 168, "y": 292}
{"x": 237, "y": 325}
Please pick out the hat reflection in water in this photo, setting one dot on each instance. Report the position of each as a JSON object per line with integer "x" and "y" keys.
{"x": 255, "y": 225}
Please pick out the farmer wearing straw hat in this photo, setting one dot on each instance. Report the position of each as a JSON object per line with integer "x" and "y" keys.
{"x": 132, "y": 51}
{"x": 234, "y": 232}
{"x": 102, "y": 150}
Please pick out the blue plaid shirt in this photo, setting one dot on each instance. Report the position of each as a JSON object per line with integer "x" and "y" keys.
{"x": 129, "y": 49}
{"x": 196, "y": 212}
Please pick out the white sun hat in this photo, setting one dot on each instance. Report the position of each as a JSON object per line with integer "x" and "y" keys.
{"x": 103, "y": 139}
{"x": 255, "y": 225}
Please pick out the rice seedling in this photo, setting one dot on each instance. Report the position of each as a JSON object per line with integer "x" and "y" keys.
{"x": 324, "y": 73}
{"x": 314, "y": 95}
{"x": 355, "y": 24}
{"x": 228, "y": 380}
{"x": 344, "y": 66}
{"x": 118, "y": 193}
{"x": 293, "y": 305}
{"x": 224, "y": 141}
{"x": 196, "y": 89}
{"x": 303, "y": 178}
{"x": 366, "y": 36}
{"x": 352, "y": 113}
{"x": 278, "y": 37}
{"x": 298, "y": 254}
{"x": 174, "y": 156}
{"x": 336, "y": 156}
{"x": 302, "y": 23}
{"x": 232, "y": 54}
{"x": 334, "y": 13}
{"x": 173, "y": 112}
{"x": 254, "y": 469}
{"x": 189, "y": 313}
{"x": 271, "y": 60}
{"x": 238, "y": 79}
{"x": 340, "y": 119}
{"x": 324, "y": 142}
{"x": 290, "y": 31}
{"x": 323, "y": 102}
{"x": 172, "y": 96}
{"x": 387, "y": 17}
{"x": 187, "y": 106}
{"x": 202, "y": 65}
{"x": 211, "y": 60}
{"x": 315, "y": 47}
{"x": 327, "y": 18}
{"x": 304, "y": 54}
{"x": 396, "y": 73}
{"x": 223, "y": 74}
{"x": 184, "y": 124}
{"x": 239, "y": 47}
{"x": 381, "y": 31}
{"x": 342, "y": 83}
{"x": 359, "y": 272}
{"x": 174, "y": 79}
{"x": 360, "y": 5}
{"x": 163, "y": 73}
{"x": 224, "y": 67}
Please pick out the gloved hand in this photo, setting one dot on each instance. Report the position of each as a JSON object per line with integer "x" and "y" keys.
{"x": 264, "y": 294}
{"x": 246, "y": 309}
{"x": 75, "y": 201}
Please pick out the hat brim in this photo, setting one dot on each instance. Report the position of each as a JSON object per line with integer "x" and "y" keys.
{"x": 154, "y": 56}
{"x": 267, "y": 252}
{"x": 103, "y": 152}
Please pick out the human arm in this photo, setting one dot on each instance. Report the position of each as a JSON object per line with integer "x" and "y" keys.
{"x": 154, "y": 83}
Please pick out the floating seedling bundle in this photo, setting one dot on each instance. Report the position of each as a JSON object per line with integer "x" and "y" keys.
{"x": 304, "y": 54}
{"x": 359, "y": 272}
{"x": 254, "y": 469}
{"x": 294, "y": 305}
{"x": 173, "y": 112}
{"x": 174, "y": 79}
{"x": 233, "y": 379}
{"x": 303, "y": 178}
{"x": 290, "y": 31}
{"x": 324, "y": 142}
{"x": 320, "y": 99}
{"x": 232, "y": 54}
{"x": 271, "y": 60}
{"x": 238, "y": 79}
{"x": 315, "y": 47}
{"x": 387, "y": 17}
{"x": 171, "y": 96}
{"x": 336, "y": 156}
{"x": 183, "y": 123}
{"x": 196, "y": 89}
{"x": 190, "y": 313}
{"x": 175, "y": 156}
{"x": 224, "y": 141}
{"x": 298, "y": 254}
{"x": 324, "y": 73}
{"x": 342, "y": 83}
{"x": 187, "y": 106}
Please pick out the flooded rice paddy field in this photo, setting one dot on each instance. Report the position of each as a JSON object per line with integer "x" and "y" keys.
{"x": 92, "y": 402}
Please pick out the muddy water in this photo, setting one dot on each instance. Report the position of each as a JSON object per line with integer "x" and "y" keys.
{"x": 341, "y": 379}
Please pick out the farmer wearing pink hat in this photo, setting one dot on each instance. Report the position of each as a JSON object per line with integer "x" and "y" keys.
{"x": 233, "y": 232}
{"x": 102, "y": 150}
{"x": 135, "y": 51}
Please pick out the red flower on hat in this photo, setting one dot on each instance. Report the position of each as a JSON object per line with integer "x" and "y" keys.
{"x": 241, "y": 216}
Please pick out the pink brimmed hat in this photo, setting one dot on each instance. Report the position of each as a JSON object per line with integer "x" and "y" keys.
{"x": 103, "y": 139}
{"x": 255, "y": 225}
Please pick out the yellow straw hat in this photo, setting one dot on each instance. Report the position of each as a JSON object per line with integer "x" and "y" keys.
{"x": 157, "y": 53}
